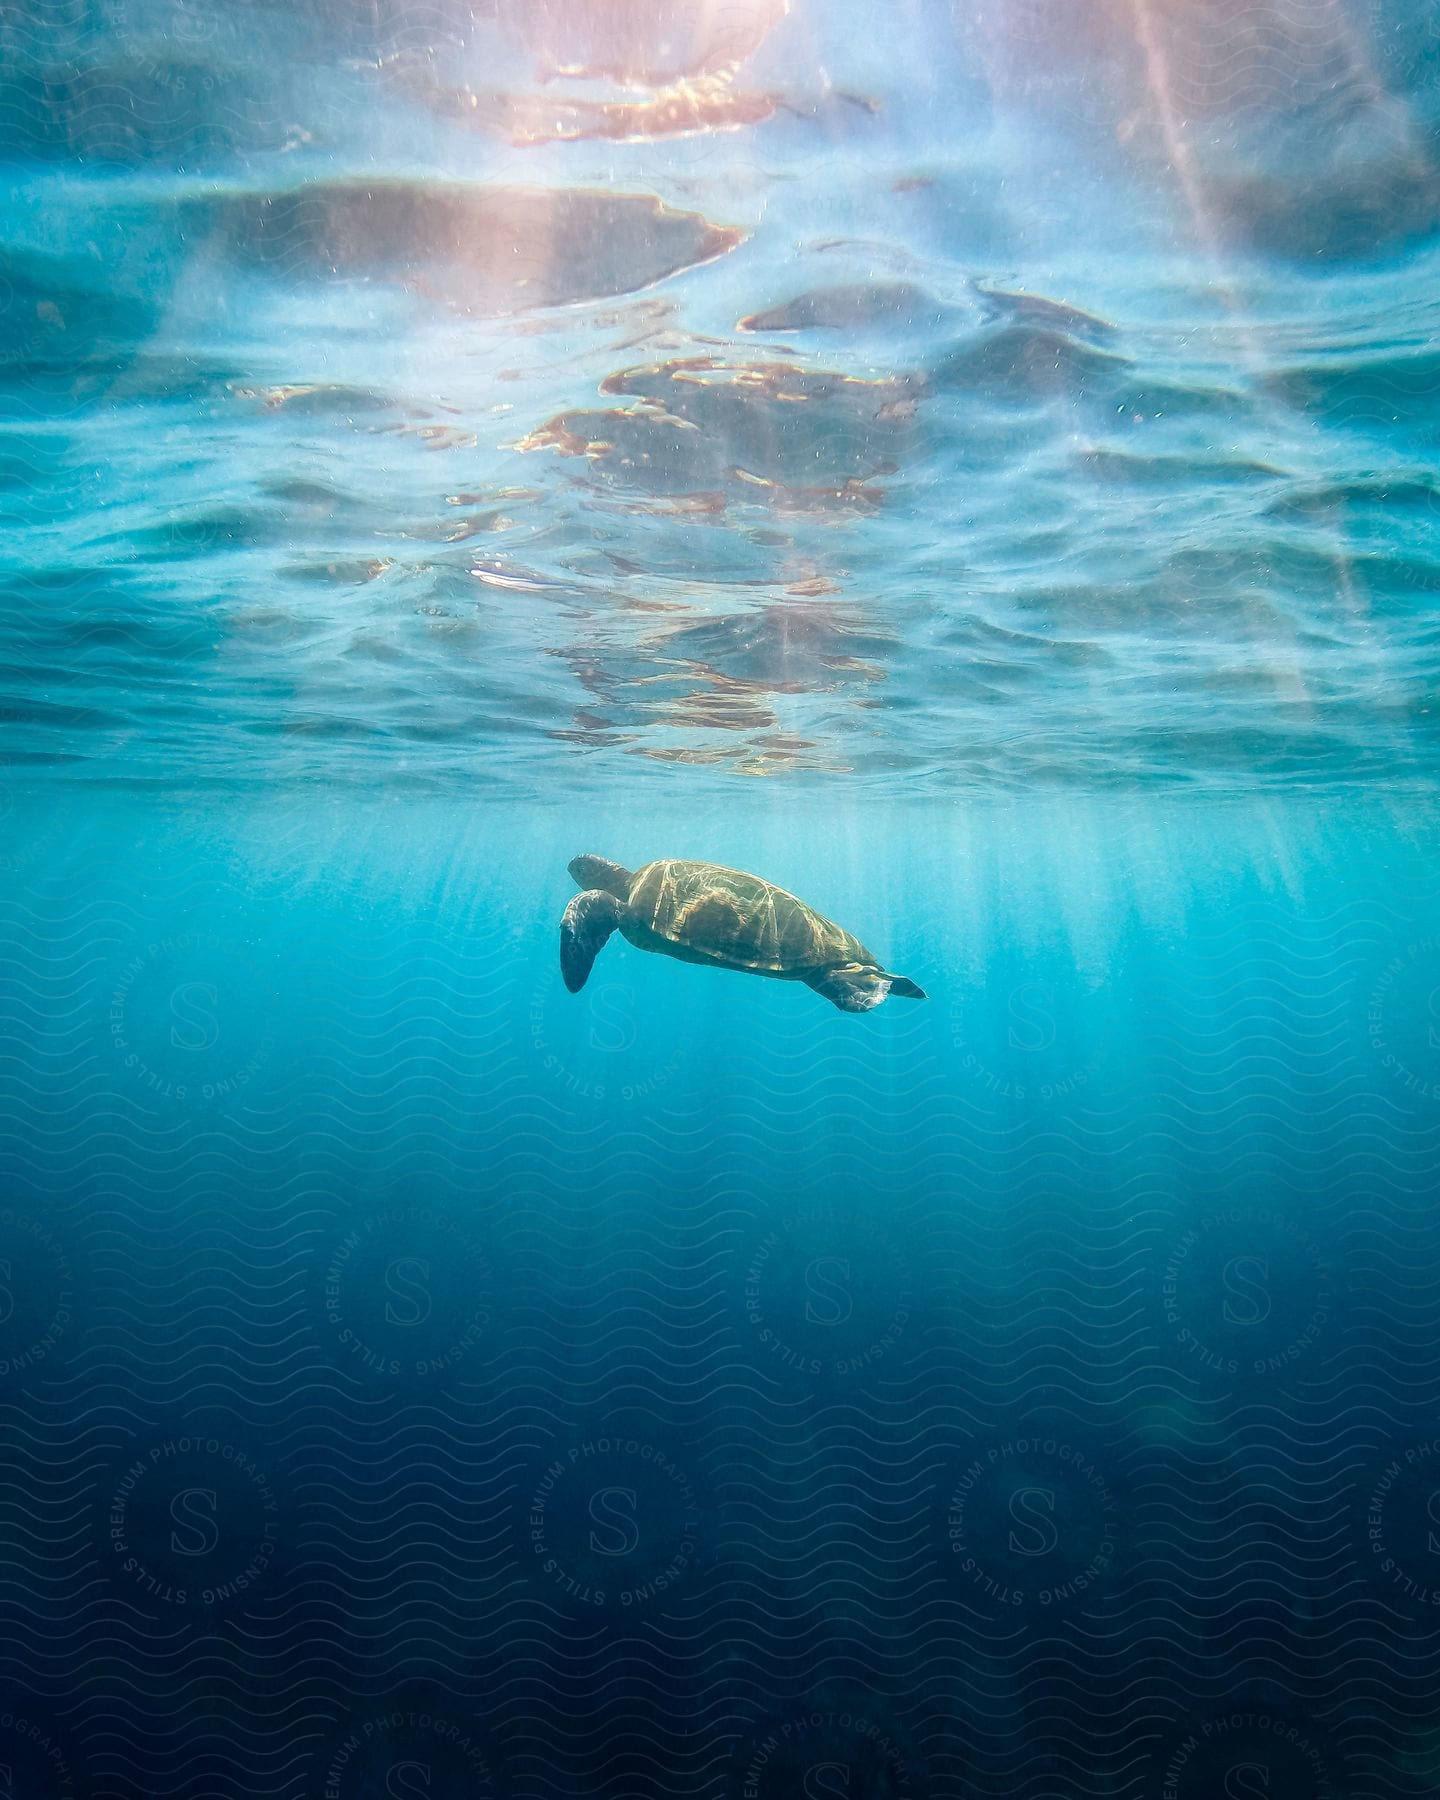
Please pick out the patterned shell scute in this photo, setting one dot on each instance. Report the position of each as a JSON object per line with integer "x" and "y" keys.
{"x": 737, "y": 918}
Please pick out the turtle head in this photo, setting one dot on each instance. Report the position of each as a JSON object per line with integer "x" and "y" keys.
{"x": 595, "y": 872}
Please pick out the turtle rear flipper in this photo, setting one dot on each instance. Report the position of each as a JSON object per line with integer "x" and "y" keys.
{"x": 851, "y": 989}
{"x": 856, "y": 989}
{"x": 589, "y": 919}
{"x": 906, "y": 989}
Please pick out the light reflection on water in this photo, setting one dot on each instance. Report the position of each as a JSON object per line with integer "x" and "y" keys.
{"x": 972, "y": 415}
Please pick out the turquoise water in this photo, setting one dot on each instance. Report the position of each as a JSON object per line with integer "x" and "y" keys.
{"x": 972, "y": 466}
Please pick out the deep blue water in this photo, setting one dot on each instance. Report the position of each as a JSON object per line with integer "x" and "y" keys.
{"x": 974, "y": 465}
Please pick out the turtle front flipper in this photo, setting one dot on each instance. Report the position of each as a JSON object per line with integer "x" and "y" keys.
{"x": 589, "y": 919}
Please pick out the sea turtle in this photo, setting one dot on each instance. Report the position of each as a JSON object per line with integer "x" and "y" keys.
{"x": 723, "y": 918}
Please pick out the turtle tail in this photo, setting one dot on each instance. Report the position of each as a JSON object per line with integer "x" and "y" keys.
{"x": 589, "y": 919}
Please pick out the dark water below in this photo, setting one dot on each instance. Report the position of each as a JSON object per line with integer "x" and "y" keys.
{"x": 973, "y": 465}
{"x": 415, "y": 1373}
